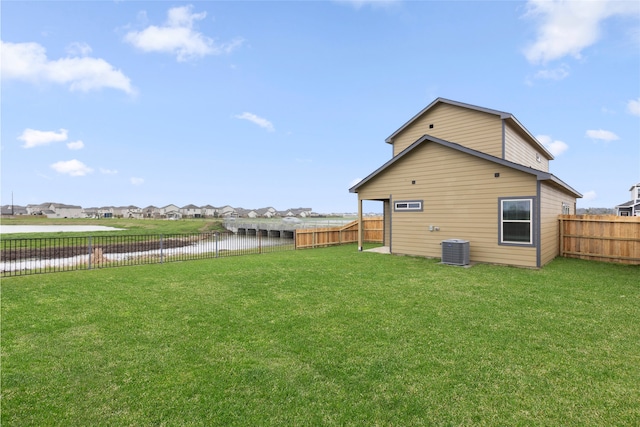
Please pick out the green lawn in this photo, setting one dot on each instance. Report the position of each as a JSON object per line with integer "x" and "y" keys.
{"x": 323, "y": 337}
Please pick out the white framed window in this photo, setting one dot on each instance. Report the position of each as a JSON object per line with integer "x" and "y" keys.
{"x": 408, "y": 205}
{"x": 516, "y": 221}
{"x": 566, "y": 209}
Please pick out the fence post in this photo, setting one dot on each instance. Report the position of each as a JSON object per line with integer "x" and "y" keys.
{"x": 161, "y": 251}
{"x": 215, "y": 243}
{"x": 561, "y": 245}
{"x": 89, "y": 247}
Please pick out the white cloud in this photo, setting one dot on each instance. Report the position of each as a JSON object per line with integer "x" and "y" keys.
{"x": 603, "y": 135}
{"x": 29, "y": 62}
{"x": 178, "y": 37}
{"x": 354, "y": 182}
{"x": 589, "y": 195}
{"x": 75, "y": 145}
{"x": 262, "y": 122}
{"x": 568, "y": 27}
{"x": 558, "y": 73}
{"x": 71, "y": 167}
{"x": 33, "y": 138}
{"x": 633, "y": 107}
{"x": 79, "y": 49}
{"x": 137, "y": 181}
{"x": 108, "y": 171}
{"x": 360, "y": 3}
{"x": 555, "y": 147}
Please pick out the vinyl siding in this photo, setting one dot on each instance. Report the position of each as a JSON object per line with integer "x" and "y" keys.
{"x": 474, "y": 129}
{"x": 519, "y": 150}
{"x": 551, "y": 206}
{"x": 460, "y": 195}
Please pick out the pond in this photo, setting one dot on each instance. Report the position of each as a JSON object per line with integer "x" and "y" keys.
{"x": 9, "y": 229}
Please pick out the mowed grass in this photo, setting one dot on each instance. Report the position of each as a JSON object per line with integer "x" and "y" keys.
{"x": 323, "y": 337}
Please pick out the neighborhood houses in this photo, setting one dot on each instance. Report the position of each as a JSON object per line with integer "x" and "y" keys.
{"x": 59, "y": 210}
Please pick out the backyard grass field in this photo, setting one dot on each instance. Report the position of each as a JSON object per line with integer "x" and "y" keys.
{"x": 330, "y": 337}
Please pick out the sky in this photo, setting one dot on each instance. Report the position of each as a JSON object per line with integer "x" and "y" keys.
{"x": 288, "y": 104}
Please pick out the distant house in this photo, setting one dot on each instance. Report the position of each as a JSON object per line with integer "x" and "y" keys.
{"x": 209, "y": 211}
{"x": 298, "y": 212}
{"x": 170, "y": 212}
{"x": 151, "y": 212}
{"x": 38, "y": 209}
{"x": 632, "y": 207}
{"x": 267, "y": 212}
{"x": 131, "y": 212}
{"x": 460, "y": 171}
{"x": 302, "y": 212}
{"x": 191, "y": 211}
{"x": 226, "y": 211}
{"x": 15, "y": 210}
{"x": 56, "y": 210}
{"x": 91, "y": 212}
{"x": 107, "y": 212}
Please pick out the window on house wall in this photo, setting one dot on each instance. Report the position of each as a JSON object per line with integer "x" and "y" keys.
{"x": 408, "y": 205}
{"x": 516, "y": 221}
{"x": 566, "y": 209}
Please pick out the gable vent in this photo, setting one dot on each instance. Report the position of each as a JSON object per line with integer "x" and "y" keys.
{"x": 455, "y": 252}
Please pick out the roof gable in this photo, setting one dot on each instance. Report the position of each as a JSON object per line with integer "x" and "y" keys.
{"x": 426, "y": 139}
{"x": 508, "y": 117}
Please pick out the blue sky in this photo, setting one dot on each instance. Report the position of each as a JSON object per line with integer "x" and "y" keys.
{"x": 288, "y": 104}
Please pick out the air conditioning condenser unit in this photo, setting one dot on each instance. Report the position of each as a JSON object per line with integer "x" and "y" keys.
{"x": 455, "y": 252}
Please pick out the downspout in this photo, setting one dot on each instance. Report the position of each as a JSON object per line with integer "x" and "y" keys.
{"x": 390, "y": 223}
{"x": 537, "y": 220}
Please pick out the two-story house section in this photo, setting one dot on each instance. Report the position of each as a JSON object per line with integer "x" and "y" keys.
{"x": 460, "y": 171}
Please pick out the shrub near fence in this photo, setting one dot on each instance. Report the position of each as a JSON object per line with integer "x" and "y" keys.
{"x": 45, "y": 255}
{"x": 606, "y": 238}
{"x": 314, "y": 237}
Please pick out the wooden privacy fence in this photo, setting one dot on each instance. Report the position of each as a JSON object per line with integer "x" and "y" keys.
{"x": 314, "y": 237}
{"x": 600, "y": 238}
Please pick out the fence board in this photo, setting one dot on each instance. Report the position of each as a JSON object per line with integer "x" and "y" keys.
{"x": 606, "y": 238}
{"x": 314, "y": 237}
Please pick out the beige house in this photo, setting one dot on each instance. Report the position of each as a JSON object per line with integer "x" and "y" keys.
{"x": 56, "y": 210}
{"x": 474, "y": 174}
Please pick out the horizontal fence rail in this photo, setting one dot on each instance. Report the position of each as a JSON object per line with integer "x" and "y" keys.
{"x": 314, "y": 237}
{"x": 606, "y": 238}
{"x": 45, "y": 255}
